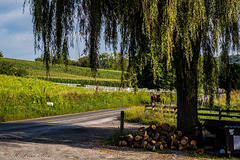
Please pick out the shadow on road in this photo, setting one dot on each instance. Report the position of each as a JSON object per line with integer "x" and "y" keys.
{"x": 71, "y": 135}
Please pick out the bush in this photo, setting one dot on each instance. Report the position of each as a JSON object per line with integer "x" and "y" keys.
{"x": 8, "y": 69}
{"x": 20, "y": 72}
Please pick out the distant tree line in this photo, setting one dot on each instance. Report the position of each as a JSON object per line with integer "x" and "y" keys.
{"x": 109, "y": 61}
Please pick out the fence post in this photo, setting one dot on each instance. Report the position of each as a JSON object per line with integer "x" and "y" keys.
{"x": 122, "y": 122}
{"x": 220, "y": 114}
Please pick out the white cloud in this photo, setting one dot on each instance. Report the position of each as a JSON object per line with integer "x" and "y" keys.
{"x": 16, "y": 37}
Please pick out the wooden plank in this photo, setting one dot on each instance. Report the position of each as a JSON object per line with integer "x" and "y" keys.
{"x": 230, "y": 116}
{"x": 173, "y": 110}
{"x": 232, "y": 111}
{"x": 215, "y": 115}
{"x": 207, "y": 109}
{"x": 169, "y": 107}
{"x": 169, "y": 112}
{"x": 152, "y": 106}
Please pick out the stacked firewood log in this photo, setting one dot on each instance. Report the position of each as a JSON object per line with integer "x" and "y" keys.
{"x": 159, "y": 137}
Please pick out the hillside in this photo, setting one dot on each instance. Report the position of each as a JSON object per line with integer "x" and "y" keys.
{"x": 37, "y": 69}
{"x": 71, "y": 74}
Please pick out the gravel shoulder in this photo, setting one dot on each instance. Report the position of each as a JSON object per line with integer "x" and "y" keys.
{"x": 78, "y": 142}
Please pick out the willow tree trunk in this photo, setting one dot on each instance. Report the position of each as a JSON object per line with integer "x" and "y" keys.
{"x": 187, "y": 88}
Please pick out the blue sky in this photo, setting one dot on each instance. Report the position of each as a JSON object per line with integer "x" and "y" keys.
{"x": 16, "y": 35}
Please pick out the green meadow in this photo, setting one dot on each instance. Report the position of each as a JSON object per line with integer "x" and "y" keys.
{"x": 26, "y": 98}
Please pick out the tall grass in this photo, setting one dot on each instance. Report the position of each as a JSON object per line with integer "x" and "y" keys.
{"x": 139, "y": 115}
{"x": 234, "y": 103}
{"x": 25, "y": 98}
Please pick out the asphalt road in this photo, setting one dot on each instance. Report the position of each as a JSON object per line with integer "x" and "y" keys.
{"x": 57, "y": 128}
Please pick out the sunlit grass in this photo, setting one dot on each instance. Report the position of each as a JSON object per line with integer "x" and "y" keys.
{"x": 234, "y": 103}
{"x": 25, "y": 98}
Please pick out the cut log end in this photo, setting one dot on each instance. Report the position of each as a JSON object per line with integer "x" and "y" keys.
{"x": 151, "y": 148}
{"x": 122, "y": 143}
{"x": 173, "y": 147}
{"x": 138, "y": 138}
{"x": 179, "y": 133}
{"x": 184, "y": 140}
{"x": 193, "y": 143}
{"x": 200, "y": 151}
{"x": 180, "y": 147}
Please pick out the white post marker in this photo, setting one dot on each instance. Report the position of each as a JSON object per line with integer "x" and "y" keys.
{"x": 50, "y": 104}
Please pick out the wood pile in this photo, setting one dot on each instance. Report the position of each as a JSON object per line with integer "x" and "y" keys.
{"x": 159, "y": 137}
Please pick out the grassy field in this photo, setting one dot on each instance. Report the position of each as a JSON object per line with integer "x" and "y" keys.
{"x": 37, "y": 69}
{"x": 25, "y": 98}
{"x": 137, "y": 114}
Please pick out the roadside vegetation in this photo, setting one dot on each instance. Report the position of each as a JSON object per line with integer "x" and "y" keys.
{"x": 25, "y": 98}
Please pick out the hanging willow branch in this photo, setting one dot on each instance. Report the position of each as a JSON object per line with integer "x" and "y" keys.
{"x": 53, "y": 22}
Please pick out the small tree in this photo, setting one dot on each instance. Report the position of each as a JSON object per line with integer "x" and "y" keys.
{"x": 1, "y": 54}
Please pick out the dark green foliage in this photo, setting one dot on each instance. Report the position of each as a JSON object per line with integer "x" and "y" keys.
{"x": 145, "y": 76}
{"x": 9, "y": 69}
{"x": 39, "y": 59}
{"x": 1, "y": 54}
{"x": 234, "y": 58}
{"x": 84, "y": 61}
{"x": 20, "y": 72}
{"x": 162, "y": 79}
{"x": 235, "y": 77}
{"x": 6, "y": 68}
{"x": 112, "y": 61}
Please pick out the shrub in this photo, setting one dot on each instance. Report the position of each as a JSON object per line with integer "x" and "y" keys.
{"x": 20, "y": 72}
{"x": 8, "y": 69}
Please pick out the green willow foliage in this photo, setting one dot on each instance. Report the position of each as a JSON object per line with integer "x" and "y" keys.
{"x": 180, "y": 30}
{"x": 173, "y": 32}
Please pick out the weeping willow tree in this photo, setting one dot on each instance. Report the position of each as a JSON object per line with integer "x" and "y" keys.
{"x": 181, "y": 30}
{"x": 174, "y": 33}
